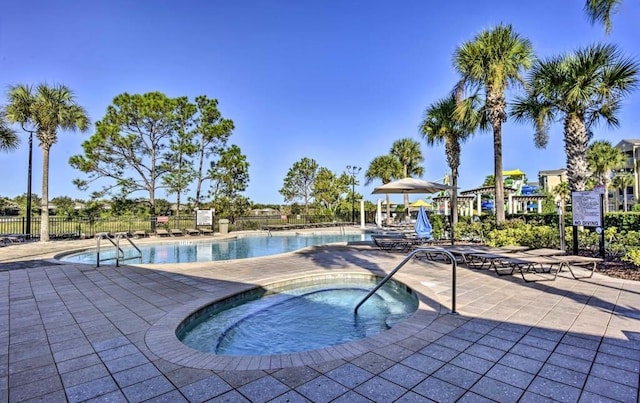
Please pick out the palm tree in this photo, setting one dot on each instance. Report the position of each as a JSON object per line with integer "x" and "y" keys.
{"x": 439, "y": 126}
{"x": 622, "y": 181}
{"x": 580, "y": 88}
{"x": 47, "y": 109}
{"x": 8, "y": 138}
{"x": 490, "y": 63}
{"x": 602, "y": 159}
{"x": 562, "y": 192}
{"x": 407, "y": 151}
{"x": 599, "y": 11}
{"x": 385, "y": 168}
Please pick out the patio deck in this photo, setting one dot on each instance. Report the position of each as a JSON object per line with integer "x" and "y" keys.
{"x": 76, "y": 333}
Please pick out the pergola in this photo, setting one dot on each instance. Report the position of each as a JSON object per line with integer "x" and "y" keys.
{"x": 519, "y": 203}
{"x": 514, "y": 201}
{"x": 465, "y": 201}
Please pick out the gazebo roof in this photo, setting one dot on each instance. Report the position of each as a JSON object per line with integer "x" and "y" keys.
{"x": 529, "y": 198}
{"x": 460, "y": 197}
{"x": 485, "y": 190}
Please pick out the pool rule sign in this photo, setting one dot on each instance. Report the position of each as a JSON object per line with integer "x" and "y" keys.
{"x": 204, "y": 217}
{"x": 588, "y": 212}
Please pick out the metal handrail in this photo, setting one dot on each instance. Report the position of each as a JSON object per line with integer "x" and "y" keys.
{"x": 126, "y": 236}
{"x": 404, "y": 261}
{"x": 105, "y": 235}
{"x": 119, "y": 251}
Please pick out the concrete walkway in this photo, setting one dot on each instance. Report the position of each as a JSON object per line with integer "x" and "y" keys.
{"x": 71, "y": 332}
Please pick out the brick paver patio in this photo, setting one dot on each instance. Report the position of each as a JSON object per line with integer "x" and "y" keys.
{"x": 72, "y": 332}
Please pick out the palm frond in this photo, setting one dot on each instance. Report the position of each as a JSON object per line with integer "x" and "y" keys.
{"x": 600, "y": 11}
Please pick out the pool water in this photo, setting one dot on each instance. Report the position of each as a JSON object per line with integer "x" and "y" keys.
{"x": 188, "y": 251}
{"x": 305, "y": 318}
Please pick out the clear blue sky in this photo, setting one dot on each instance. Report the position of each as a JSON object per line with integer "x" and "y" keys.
{"x": 336, "y": 81}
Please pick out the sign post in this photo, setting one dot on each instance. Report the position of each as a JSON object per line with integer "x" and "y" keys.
{"x": 588, "y": 212}
{"x": 204, "y": 217}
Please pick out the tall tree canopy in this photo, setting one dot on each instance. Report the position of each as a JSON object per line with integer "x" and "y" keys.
{"x": 298, "y": 184}
{"x": 181, "y": 149}
{"x": 489, "y": 64}
{"x": 408, "y": 152}
{"x": 149, "y": 141}
{"x": 328, "y": 189}
{"x": 385, "y": 168}
{"x": 602, "y": 160}
{"x": 210, "y": 136}
{"x": 230, "y": 177}
{"x": 442, "y": 125}
{"x": 130, "y": 144}
{"x": 8, "y": 138}
{"x": 46, "y": 109}
{"x": 580, "y": 89}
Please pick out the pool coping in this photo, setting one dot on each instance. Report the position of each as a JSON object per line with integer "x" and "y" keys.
{"x": 199, "y": 239}
{"x": 161, "y": 338}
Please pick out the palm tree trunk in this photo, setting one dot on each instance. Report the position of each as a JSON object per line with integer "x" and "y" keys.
{"x": 499, "y": 185}
{"x": 407, "y": 217}
{"x": 44, "y": 204}
{"x": 575, "y": 144}
{"x": 200, "y": 180}
{"x": 454, "y": 197}
{"x": 496, "y": 105}
{"x": 388, "y": 210}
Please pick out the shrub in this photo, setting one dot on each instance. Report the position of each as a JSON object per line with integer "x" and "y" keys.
{"x": 633, "y": 256}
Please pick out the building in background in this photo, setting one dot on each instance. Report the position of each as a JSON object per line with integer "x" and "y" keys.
{"x": 631, "y": 148}
{"x": 551, "y": 178}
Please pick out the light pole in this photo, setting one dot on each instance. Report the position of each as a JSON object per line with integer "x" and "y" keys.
{"x": 353, "y": 171}
{"x": 28, "y": 223}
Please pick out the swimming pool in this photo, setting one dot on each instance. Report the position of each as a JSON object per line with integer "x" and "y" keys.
{"x": 189, "y": 251}
{"x": 302, "y": 315}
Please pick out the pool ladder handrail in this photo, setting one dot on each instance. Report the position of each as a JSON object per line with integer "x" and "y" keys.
{"x": 429, "y": 250}
{"x": 120, "y": 256}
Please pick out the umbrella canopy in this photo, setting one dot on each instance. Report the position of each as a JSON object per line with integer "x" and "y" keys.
{"x": 513, "y": 172}
{"x": 410, "y": 185}
{"x": 420, "y": 203}
{"x": 423, "y": 226}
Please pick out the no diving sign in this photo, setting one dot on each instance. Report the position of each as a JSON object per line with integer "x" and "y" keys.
{"x": 587, "y": 208}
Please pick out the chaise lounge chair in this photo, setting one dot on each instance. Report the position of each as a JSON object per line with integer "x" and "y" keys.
{"x": 140, "y": 234}
{"x": 176, "y": 232}
{"x": 162, "y": 232}
{"x": 393, "y": 243}
{"x": 191, "y": 231}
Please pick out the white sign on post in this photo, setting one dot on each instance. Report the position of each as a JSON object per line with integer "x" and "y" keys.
{"x": 587, "y": 208}
{"x": 204, "y": 217}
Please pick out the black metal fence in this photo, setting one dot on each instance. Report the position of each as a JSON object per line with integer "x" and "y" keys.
{"x": 62, "y": 227}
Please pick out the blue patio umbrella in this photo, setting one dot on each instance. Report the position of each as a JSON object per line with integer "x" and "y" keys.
{"x": 423, "y": 226}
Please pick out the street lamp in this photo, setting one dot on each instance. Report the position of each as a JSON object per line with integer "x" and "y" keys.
{"x": 353, "y": 171}
{"x": 28, "y": 223}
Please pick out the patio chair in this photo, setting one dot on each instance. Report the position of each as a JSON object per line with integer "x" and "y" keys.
{"x": 526, "y": 263}
{"x": 140, "y": 234}
{"x": 543, "y": 266}
{"x": 12, "y": 238}
{"x": 479, "y": 256}
{"x": 161, "y": 232}
{"x": 176, "y": 232}
{"x": 393, "y": 243}
{"x": 545, "y": 252}
{"x": 583, "y": 262}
